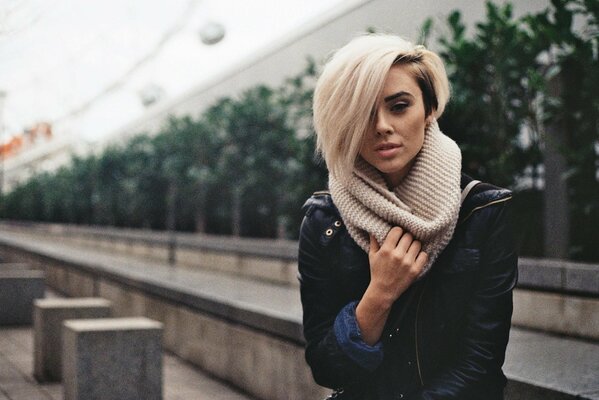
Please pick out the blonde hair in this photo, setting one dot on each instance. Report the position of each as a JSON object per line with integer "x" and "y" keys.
{"x": 347, "y": 91}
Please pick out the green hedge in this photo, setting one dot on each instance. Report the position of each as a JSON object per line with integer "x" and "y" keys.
{"x": 247, "y": 163}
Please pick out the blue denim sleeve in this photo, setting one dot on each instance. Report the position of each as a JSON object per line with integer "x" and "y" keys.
{"x": 350, "y": 339}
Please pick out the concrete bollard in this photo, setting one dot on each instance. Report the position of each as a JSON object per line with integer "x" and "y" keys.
{"x": 18, "y": 289}
{"x": 112, "y": 359}
{"x": 48, "y": 316}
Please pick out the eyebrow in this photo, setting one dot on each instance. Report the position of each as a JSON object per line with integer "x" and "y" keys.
{"x": 396, "y": 95}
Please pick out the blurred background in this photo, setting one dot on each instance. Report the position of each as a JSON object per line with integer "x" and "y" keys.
{"x": 195, "y": 115}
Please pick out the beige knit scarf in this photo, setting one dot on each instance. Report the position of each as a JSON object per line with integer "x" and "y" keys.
{"x": 426, "y": 203}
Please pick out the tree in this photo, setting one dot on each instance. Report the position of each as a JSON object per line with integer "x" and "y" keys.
{"x": 572, "y": 54}
{"x": 257, "y": 148}
{"x": 306, "y": 171}
{"x": 501, "y": 102}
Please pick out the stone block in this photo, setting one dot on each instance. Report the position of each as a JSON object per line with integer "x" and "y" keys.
{"x": 112, "y": 359}
{"x": 540, "y": 274}
{"x": 48, "y": 316}
{"x": 18, "y": 289}
{"x": 584, "y": 278}
{"x": 557, "y": 313}
{"x": 558, "y": 275}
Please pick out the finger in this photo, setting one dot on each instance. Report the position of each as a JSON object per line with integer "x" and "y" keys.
{"x": 392, "y": 238}
{"x": 404, "y": 243}
{"x": 414, "y": 249}
{"x": 374, "y": 245}
{"x": 421, "y": 261}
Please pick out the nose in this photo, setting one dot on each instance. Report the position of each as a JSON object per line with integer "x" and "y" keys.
{"x": 382, "y": 125}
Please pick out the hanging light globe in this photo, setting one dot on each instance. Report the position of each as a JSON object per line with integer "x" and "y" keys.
{"x": 211, "y": 33}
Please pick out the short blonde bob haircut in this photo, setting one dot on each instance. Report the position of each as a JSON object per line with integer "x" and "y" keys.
{"x": 346, "y": 93}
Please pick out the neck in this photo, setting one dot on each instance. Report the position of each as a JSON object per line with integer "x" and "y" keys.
{"x": 393, "y": 180}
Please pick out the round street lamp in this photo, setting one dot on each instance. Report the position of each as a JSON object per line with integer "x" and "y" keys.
{"x": 211, "y": 32}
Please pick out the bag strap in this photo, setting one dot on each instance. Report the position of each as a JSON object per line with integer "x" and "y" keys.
{"x": 468, "y": 188}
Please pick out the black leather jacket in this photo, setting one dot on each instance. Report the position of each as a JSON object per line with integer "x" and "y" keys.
{"x": 446, "y": 335}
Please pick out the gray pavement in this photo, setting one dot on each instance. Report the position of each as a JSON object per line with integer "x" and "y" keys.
{"x": 181, "y": 381}
{"x": 563, "y": 364}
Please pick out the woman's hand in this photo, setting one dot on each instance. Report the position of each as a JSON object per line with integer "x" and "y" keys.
{"x": 394, "y": 266}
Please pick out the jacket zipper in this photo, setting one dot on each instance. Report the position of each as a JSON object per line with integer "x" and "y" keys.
{"x": 484, "y": 206}
{"x": 424, "y": 286}
{"x": 416, "y": 337}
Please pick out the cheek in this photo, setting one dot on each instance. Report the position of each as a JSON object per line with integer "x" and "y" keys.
{"x": 417, "y": 137}
{"x": 367, "y": 145}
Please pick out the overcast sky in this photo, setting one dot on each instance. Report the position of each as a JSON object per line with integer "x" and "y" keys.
{"x": 82, "y": 64}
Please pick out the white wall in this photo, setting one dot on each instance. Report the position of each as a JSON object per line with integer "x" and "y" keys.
{"x": 287, "y": 57}
{"x": 284, "y": 58}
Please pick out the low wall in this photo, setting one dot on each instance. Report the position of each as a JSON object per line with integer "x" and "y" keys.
{"x": 552, "y": 295}
{"x": 558, "y": 296}
{"x": 263, "y": 259}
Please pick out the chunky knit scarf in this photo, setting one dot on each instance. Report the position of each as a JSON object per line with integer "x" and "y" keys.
{"x": 426, "y": 203}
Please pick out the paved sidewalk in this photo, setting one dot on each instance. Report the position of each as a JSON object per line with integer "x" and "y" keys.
{"x": 181, "y": 380}
{"x": 561, "y": 364}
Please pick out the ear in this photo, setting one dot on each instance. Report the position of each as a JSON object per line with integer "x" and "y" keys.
{"x": 430, "y": 119}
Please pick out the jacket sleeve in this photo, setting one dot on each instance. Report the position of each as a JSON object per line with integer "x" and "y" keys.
{"x": 335, "y": 363}
{"x": 487, "y": 319}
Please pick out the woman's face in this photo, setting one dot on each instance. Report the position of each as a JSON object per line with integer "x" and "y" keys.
{"x": 398, "y": 131}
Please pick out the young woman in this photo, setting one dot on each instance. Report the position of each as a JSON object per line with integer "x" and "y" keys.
{"x": 406, "y": 266}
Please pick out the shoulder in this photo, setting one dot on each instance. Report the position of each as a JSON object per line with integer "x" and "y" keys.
{"x": 319, "y": 201}
{"x": 483, "y": 195}
{"x": 322, "y": 217}
{"x": 484, "y": 223}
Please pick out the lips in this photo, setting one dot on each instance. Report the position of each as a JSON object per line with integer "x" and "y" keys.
{"x": 387, "y": 150}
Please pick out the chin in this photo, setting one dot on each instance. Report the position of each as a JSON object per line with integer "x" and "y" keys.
{"x": 391, "y": 170}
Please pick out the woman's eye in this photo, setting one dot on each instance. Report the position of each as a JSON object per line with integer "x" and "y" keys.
{"x": 399, "y": 107}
